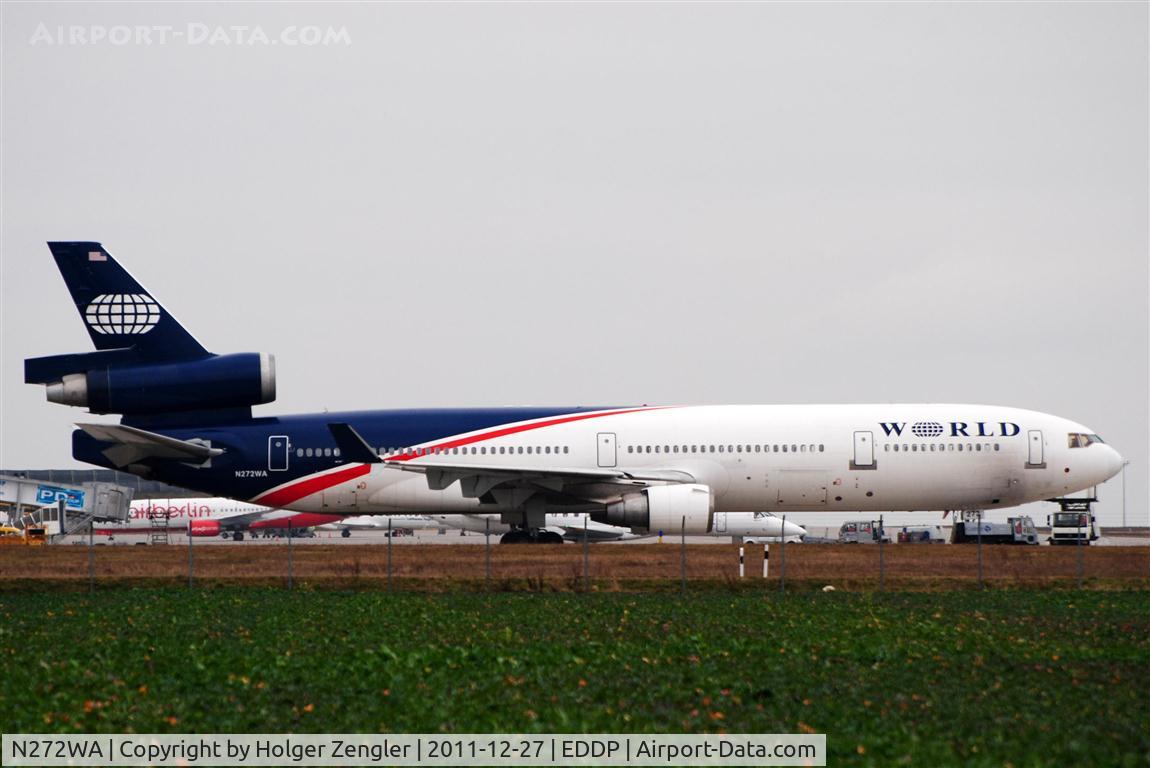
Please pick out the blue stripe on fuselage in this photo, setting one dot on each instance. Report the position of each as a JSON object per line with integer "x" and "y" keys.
{"x": 246, "y": 442}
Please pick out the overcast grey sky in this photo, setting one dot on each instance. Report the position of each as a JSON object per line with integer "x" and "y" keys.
{"x": 598, "y": 204}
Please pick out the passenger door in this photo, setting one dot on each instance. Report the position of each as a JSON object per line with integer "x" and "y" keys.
{"x": 864, "y": 451}
{"x": 277, "y": 453}
{"x": 1036, "y": 457}
{"x": 607, "y": 452}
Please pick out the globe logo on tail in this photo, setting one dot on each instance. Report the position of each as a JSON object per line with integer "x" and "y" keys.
{"x": 122, "y": 314}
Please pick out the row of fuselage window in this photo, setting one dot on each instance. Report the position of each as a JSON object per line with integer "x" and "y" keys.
{"x": 473, "y": 450}
{"x": 756, "y": 448}
{"x": 482, "y": 450}
{"x": 939, "y": 447}
{"x": 478, "y": 450}
{"x": 661, "y": 449}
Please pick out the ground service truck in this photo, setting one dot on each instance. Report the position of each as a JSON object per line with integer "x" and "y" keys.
{"x": 1016, "y": 530}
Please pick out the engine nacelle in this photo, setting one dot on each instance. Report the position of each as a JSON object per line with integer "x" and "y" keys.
{"x": 220, "y": 381}
{"x": 666, "y": 508}
{"x": 203, "y": 527}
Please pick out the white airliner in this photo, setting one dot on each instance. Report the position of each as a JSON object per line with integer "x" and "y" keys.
{"x": 187, "y": 420}
{"x": 755, "y": 525}
{"x": 206, "y": 517}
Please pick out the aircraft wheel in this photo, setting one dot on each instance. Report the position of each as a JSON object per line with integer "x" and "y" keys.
{"x": 346, "y": 532}
{"x": 238, "y": 536}
{"x": 548, "y": 537}
{"x": 516, "y": 536}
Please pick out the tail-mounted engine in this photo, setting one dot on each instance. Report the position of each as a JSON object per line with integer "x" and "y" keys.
{"x": 213, "y": 382}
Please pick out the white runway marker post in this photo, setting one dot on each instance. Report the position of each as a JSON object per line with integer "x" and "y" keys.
{"x": 766, "y": 560}
{"x": 741, "y": 573}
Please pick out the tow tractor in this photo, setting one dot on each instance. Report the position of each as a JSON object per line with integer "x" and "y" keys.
{"x": 34, "y": 536}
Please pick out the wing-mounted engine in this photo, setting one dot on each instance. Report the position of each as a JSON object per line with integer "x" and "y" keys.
{"x": 684, "y": 508}
{"x": 204, "y": 527}
{"x": 104, "y": 385}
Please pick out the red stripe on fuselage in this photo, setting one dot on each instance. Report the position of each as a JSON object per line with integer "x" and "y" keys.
{"x": 316, "y": 483}
{"x": 310, "y": 485}
{"x": 505, "y": 431}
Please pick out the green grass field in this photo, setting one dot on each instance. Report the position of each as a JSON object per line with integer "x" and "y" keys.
{"x": 1009, "y": 677}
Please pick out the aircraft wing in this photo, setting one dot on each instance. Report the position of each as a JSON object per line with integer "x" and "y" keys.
{"x": 598, "y": 485}
{"x": 594, "y": 532}
{"x": 131, "y": 444}
{"x": 245, "y": 519}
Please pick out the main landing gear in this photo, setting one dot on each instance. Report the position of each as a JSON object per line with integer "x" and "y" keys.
{"x": 530, "y": 536}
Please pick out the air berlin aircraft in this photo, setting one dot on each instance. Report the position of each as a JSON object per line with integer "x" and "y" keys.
{"x": 208, "y": 517}
{"x": 186, "y": 419}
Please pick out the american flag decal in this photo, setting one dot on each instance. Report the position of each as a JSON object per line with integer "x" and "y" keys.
{"x": 97, "y": 256}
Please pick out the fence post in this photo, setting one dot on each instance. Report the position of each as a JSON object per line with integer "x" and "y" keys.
{"x": 389, "y": 538}
{"x": 881, "y": 563}
{"x": 980, "y": 586}
{"x": 683, "y": 554}
{"x": 783, "y": 558}
{"x": 91, "y": 556}
{"x": 766, "y": 560}
{"x": 586, "y": 558}
{"x": 741, "y": 574}
{"x": 191, "y": 560}
{"x": 1079, "y": 545}
{"x": 487, "y": 553}
{"x": 291, "y": 564}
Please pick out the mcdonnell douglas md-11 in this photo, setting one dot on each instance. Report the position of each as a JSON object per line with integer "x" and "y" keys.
{"x": 186, "y": 419}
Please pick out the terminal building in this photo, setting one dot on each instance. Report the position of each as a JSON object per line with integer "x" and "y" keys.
{"x": 141, "y": 488}
{"x": 58, "y": 502}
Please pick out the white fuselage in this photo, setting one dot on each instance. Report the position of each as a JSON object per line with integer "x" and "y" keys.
{"x": 175, "y": 514}
{"x": 801, "y": 458}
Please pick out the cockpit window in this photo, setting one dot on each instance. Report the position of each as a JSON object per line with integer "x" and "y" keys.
{"x": 1080, "y": 440}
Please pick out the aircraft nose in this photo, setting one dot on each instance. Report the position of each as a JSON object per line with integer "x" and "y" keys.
{"x": 790, "y": 529}
{"x": 1114, "y": 462}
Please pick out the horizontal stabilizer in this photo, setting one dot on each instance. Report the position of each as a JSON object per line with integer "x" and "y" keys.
{"x": 352, "y": 446}
{"x": 45, "y": 370}
{"x": 132, "y": 444}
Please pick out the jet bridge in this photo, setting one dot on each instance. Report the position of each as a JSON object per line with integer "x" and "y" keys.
{"x": 61, "y": 509}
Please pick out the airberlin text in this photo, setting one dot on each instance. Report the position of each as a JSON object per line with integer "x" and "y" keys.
{"x": 960, "y": 429}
